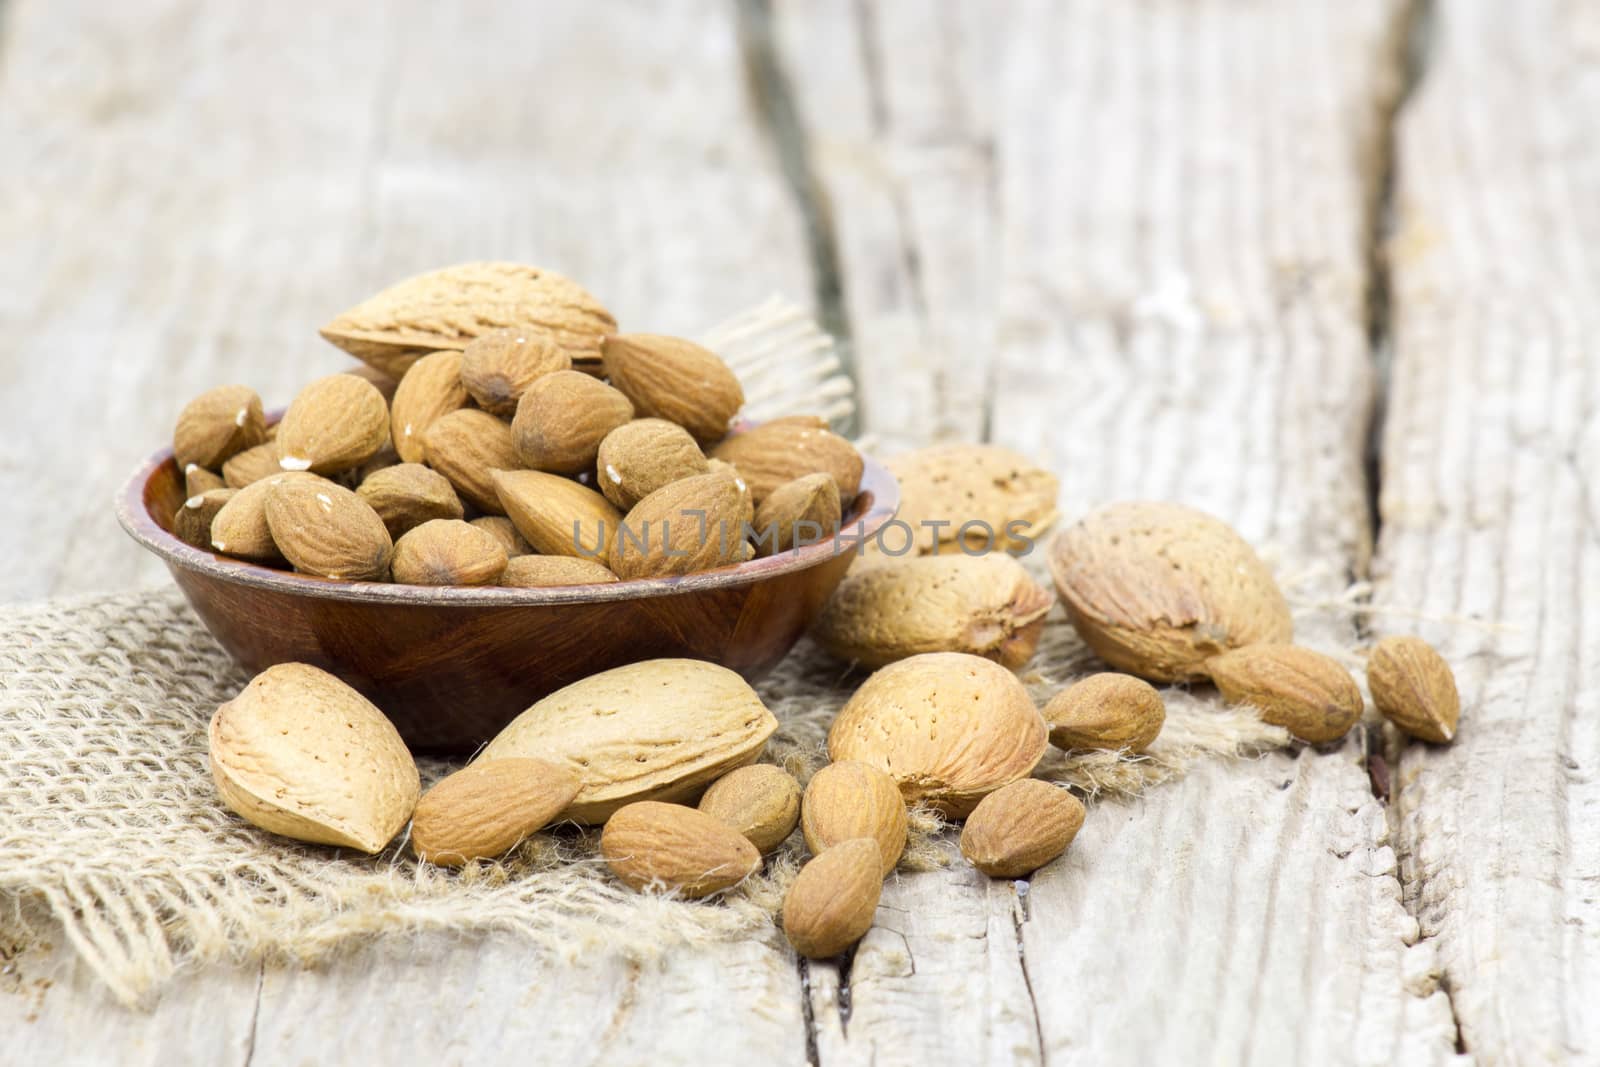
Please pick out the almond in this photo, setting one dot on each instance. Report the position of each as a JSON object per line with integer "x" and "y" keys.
{"x": 651, "y": 845}
{"x": 407, "y": 495}
{"x": 540, "y": 572}
{"x": 1414, "y": 688}
{"x": 498, "y": 367}
{"x": 832, "y": 901}
{"x": 448, "y": 308}
{"x": 252, "y": 465}
{"x": 978, "y": 497}
{"x": 850, "y": 799}
{"x": 984, "y": 605}
{"x": 301, "y": 754}
{"x": 218, "y": 424}
{"x": 506, "y": 533}
{"x": 641, "y": 456}
{"x": 191, "y": 523}
{"x": 197, "y": 480}
{"x": 677, "y": 380}
{"x": 782, "y": 450}
{"x": 693, "y": 524}
{"x": 327, "y": 530}
{"x": 430, "y": 390}
{"x": 1018, "y": 829}
{"x": 558, "y": 516}
{"x": 334, "y": 424}
{"x": 240, "y": 528}
{"x": 485, "y": 809}
{"x": 1309, "y": 694}
{"x": 562, "y": 419}
{"x": 948, "y": 727}
{"x": 798, "y": 513}
{"x": 381, "y": 460}
{"x": 656, "y": 730}
{"x": 382, "y": 382}
{"x": 1106, "y": 711}
{"x": 760, "y": 801}
{"x": 1158, "y": 589}
{"x": 467, "y": 447}
{"x": 448, "y": 552}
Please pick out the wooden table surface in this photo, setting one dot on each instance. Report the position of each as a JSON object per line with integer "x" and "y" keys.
{"x": 1326, "y": 269}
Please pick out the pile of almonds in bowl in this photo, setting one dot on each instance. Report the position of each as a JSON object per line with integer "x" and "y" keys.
{"x": 551, "y": 450}
{"x": 665, "y": 755}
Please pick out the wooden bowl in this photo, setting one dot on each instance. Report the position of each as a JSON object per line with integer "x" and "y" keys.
{"x": 451, "y": 666}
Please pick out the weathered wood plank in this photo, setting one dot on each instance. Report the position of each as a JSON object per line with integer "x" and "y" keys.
{"x": 1491, "y": 526}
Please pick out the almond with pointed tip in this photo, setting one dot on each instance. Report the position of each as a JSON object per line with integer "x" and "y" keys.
{"x": 430, "y": 390}
{"x": 544, "y": 572}
{"x": 690, "y": 525}
{"x": 782, "y": 450}
{"x": 191, "y": 523}
{"x": 563, "y": 417}
{"x": 984, "y": 605}
{"x": 833, "y": 900}
{"x": 556, "y": 515}
{"x": 674, "y": 379}
{"x": 641, "y": 456}
{"x": 240, "y": 527}
{"x": 498, "y": 367}
{"x": 1413, "y": 687}
{"x": 467, "y": 447}
{"x": 407, "y": 495}
{"x": 252, "y": 465}
{"x": 447, "y": 308}
{"x": 218, "y": 424}
{"x": 798, "y": 513}
{"x": 1106, "y": 711}
{"x": 485, "y": 809}
{"x": 1156, "y": 590}
{"x": 1018, "y": 829}
{"x": 851, "y": 799}
{"x": 334, "y": 424}
{"x": 197, "y": 480}
{"x": 760, "y": 801}
{"x": 301, "y": 754}
{"x": 1309, "y": 694}
{"x": 448, "y": 552}
{"x": 327, "y": 530}
{"x": 650, "y": 845}
{"x": 948, "y": 727}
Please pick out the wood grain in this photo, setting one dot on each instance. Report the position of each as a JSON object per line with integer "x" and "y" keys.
{"x": 1491, "y": 517}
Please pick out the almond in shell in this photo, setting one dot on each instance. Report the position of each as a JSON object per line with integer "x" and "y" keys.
{"x": 1106, "y": 711}
{"x": 448, "y": 552}
{"x": 485, "y": 809}
{"x": 657, "y": 730}
{"x": 1309, "y": 694}
{"x": 334, "y": 424}
{"x": 832, "y": 901}
{"x": 798, "y": 513}
{"x": 467, "y": 447}
{"x": 498, "y": 367}
{"x": 654, "y": 846}
{"x": 782, "y": 450}
{"x": 543, "y": 572}
{"x": 218, "y": 424}
{"x": 1020, "y": 828}
{"x": 973, "y": 496}
{"x": 301, "y": 754}
{"x": 760, "y": 801}
{"x": 950, "y": 728}
{"x": 674, "y": 379}
{"x": 407, "y": 495}
{"x": 327, "y": 530}
{"x": 430, "y": 390}
{"x": 563, "y": 417}
{"x": 850, "y": 799}
{"x": 641, "y": 456}
{"x": 1413, "y": 687}
{"x": 556, "y": 515}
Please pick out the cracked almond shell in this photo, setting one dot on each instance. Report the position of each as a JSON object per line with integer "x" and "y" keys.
{"x": 1156, "y": 589}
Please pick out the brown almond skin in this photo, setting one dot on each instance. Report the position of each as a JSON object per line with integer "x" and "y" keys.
{"x": 326, "y": 530}
{"x": 1309, "y": 694}
{"x": 1106, "y": 711}
{"x": 197, "y": 480}
{"x": 407, "y": 495}
{"x": 1414, "y": 688}
{"x": 448, "y": 552}
{"x": 641, "y": 456}
{"x": 760, "y": 801}
{"x": 558, "y": 516}
{"x": 544, "y": 572}
{"x": 486, "y": 809}
{"x": 986, "y": 606}
{"x": 498, "y": 367}
{"x": 674, "y": 379}
{"x": 832, "y": 901}
{"x": 467, "y": 447}
{"x": 649, "y": 844}
{"x": 690, "y": 525}
{"x": 252, "y": 465}
{"x": 798, "y": 513}
{"x": 563, "y": 417}
{"x": 431, "y": 389}
{"x": 849, "y": 799}
{"x": 240, "y": 528}
{"x": 506, "y": 533}
{"x": 381, "y": 381}
{"x": 218, "y": 424}
{"x": 780, "y": 451}
{"x": 1158, "y": 589}
{"x": 191, "y": 523}
{"x": 1018, "y": 829}
{"x": 334, "y": 424}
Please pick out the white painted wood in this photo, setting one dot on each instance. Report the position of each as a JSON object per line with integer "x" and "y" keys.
{"x": 1491, "y": 517}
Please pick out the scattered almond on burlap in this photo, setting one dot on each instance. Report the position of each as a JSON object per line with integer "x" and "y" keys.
{"x": 1309, "y": 694}
{"x": 760, "y": 801}
{"x": 653, "y": 845}
{"x": 851, "y": 799}
{"x": 1018, "y": 829}
{"x": 1413, "y": 687}
{"x": 832, "y": 901}
{"x": 1106, "y": 711}
{"x": 485, "y": 809}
